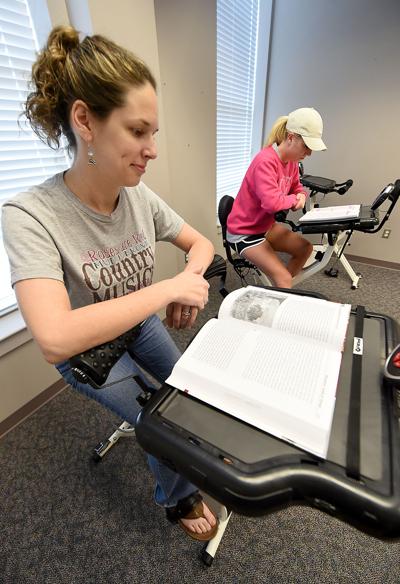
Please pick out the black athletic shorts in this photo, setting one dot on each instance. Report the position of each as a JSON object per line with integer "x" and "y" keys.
{"x": 247, "y": 242}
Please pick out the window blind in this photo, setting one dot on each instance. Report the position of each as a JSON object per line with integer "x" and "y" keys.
{"x": 24, "y": 159}
{"x": 237, "y": 31}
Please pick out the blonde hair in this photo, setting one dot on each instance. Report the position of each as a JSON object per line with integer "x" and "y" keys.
{"x": 96, "y": 70}
{"x": 278, "y": 132}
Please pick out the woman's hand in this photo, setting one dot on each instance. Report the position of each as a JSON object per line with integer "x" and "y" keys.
{"x": 191, "y": 294}
{"x": 189, "y": 289}
{"x": 301, "y": 201}
{"x": 180, "y": 316}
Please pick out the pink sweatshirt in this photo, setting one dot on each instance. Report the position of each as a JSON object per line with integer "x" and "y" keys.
{"x": 269, "y": 186}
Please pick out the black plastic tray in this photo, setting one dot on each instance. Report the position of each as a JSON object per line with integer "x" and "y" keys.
{"x": 253, "y": 472}
{"x": 367, "y": 220}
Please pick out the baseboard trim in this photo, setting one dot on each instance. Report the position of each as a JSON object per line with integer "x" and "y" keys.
{"x": 373, "y": 262}
{"x": 32, "y": 406}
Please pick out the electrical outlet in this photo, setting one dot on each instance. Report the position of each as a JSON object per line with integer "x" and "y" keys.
{"x": 386, "y": 233}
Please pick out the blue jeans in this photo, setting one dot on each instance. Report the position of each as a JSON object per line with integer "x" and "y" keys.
{"x": 155, "y": 351}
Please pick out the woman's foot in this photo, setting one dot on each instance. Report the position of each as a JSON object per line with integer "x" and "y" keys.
{"x": 200, "y": 525}
{"x": 195, "y": 518}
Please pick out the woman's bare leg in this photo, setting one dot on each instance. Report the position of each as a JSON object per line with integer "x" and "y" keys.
{"x": 265, "y": 258}
{"x": 284, "y": 240}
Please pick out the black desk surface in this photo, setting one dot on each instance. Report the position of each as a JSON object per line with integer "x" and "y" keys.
{"x": 367, "y": 220}
{"x": 252, "y": 471}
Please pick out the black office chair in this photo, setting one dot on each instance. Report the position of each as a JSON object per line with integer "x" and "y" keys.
{"x": 243, "y": 268}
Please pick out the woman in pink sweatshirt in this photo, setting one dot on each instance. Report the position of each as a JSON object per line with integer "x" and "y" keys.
{"x": 272, "y": 184}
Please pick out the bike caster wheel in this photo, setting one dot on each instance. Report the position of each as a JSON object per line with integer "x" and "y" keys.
{"x": 100, "y": 450}
{"x": 355, "y": 286}
{"x": 332, "y": 273}
{"x": 206, "y": 558}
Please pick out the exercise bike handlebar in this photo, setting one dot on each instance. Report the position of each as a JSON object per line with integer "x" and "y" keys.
{"x": 342, "y": 188}
{"x": 322, "y": 185}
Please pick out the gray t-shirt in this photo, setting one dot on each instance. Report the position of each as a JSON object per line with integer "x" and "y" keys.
{"x": 50, "y": 233}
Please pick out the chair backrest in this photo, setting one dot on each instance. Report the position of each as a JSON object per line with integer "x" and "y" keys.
{"x": 224, "y": 208}
{"x": 240, "y": 264}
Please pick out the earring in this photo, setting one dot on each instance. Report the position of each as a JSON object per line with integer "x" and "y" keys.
{"x": 91, "y": 158}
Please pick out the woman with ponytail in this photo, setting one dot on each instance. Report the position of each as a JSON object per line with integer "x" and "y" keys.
{"x": 81, "y": 245}
{"x": 272, "y": 184}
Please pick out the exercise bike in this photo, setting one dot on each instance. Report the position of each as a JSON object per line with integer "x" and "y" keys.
{"x": 335, "y": 235}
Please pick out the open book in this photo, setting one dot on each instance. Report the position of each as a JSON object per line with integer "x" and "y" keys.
{"x": 271, "y": 359}
{"x": 338, "y": 213}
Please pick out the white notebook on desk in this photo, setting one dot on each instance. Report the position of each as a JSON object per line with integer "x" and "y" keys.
{"x": 271, "y": 359}
{"x": 338, "y": 213}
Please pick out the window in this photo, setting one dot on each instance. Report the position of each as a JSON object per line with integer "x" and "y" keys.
{"x": 24, "y": 159}
{"x": 242, "y": 53}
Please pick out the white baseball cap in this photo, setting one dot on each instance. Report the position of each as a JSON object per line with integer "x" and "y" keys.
{"x": 307, "y": 122}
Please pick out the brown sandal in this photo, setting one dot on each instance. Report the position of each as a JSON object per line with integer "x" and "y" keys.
{"x": 191, "y": 507}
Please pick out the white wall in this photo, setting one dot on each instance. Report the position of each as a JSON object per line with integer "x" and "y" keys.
{"x": 342, "y": 57}
{"x": 186, "y": 32}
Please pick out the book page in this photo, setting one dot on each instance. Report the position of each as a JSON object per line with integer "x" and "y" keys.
{"x": 270, "y": 379}
{"x": 314, "y": 318}
{"x": 338, "y": 213}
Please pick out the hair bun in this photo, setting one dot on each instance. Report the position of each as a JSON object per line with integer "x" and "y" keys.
{"x": 62, "y": 40}
{"x": 49, "y": 88}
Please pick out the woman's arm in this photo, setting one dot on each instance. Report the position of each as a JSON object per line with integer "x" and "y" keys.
{"x": 301, "y": 201}
{"x": 199, "y": 249}
{"x": 62, "y": 332}
{"x": 274, "y": 193}
{"x": 298, "y": 189}
{"x": 200, "y": 252}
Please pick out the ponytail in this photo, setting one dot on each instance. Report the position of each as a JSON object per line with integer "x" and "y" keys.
{"x": 278, "y": 131}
